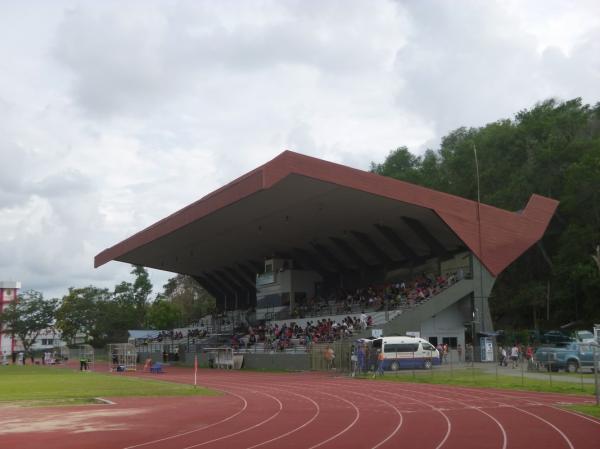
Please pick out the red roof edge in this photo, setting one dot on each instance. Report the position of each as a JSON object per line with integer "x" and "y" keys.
{"x": 505, "y": 235}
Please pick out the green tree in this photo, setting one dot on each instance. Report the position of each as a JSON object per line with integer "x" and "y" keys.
{"x": 132, "y": 298}
{"x": 78, "y": 312}
{"x": 552, "y": 149}
{"x": 189, "y": 297}
{"x": 26, "y": 317}
{"x": 163, "y": 315}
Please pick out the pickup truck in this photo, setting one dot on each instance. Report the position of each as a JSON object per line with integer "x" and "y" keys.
{"x": 570, "y": 356}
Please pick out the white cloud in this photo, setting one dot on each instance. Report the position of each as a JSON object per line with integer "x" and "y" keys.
{"x": 115, "y": 114}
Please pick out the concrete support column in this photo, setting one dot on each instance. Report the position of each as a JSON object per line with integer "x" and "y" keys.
{"x": 483, "y": 282}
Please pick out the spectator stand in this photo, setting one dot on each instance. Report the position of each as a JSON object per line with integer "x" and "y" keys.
{"x": 86, "y": 352}
{"x": 122, "y": 357}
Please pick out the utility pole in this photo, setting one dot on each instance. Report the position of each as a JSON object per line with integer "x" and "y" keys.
{"x": 480, "y": 249}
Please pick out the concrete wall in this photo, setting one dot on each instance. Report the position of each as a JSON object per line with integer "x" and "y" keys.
{"x": 447, "y": 323}
{"x": 288, "y": 362}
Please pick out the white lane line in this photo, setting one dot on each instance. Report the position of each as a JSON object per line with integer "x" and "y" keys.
{"x": 550, "y": 424}
{"x": 498, "y": 423}
{"x": 398, "y": 412}
{"x": 343, "y": 430}
{"x": 448, "y": 423}
{"x": 310, "y": 386}
{"x": 509, "y": 396}
{"x": 295, "y": 429}
{"x": 560, "y": 432}
{"x": 317, "y": 408}
{"x": 177, "y": 435}
{"x": 245, "y": 429}
{"x": 579, "y": 415}
{"x": 434, "y": 408}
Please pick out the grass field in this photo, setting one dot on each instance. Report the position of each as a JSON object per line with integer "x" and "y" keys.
{"x": 476, "y": 378}
{"x": 592, "y": 410}
{"x": 38, "y": 385}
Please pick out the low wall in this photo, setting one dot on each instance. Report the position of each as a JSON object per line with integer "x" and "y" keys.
{"x": 277, "y": 361}
{"x": 288, "y": 362}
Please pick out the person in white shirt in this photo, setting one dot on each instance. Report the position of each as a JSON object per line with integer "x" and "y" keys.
{"x": 514, "y": 356}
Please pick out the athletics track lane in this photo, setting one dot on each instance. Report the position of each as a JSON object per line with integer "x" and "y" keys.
{"x": 310, "y": 410}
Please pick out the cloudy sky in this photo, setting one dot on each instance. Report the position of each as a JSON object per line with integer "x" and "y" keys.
{"x": 115, "y": 114}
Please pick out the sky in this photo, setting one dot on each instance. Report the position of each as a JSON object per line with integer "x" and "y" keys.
{"x": 115, "y": 114}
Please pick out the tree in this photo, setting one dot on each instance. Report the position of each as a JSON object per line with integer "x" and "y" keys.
{"x": 163, "y": 315}
{"x": 26, "y": 317}
{"x": 78, "y": 312}
{"x": 132, "y": 298}
{"x": 552, "y": 149}
{"x": 190, "y": 298}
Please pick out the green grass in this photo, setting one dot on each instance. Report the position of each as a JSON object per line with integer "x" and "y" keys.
{"x": 34, "y": 385}
{"x": 476, "y": 378}
{"x": 592, "y": 410}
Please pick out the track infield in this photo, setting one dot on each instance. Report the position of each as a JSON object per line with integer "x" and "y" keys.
{"x": 308, "y": 410}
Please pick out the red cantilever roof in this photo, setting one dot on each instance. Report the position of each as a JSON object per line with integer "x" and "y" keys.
{"x": 505, "y": 235}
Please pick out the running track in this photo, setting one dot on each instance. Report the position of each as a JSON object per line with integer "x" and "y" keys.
{"x": 308, "y": 410}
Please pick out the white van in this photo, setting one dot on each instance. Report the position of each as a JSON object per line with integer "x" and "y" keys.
{"x": 406, "y": 352}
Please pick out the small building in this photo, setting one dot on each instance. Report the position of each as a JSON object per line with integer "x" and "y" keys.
{"x": 8, "y": 293}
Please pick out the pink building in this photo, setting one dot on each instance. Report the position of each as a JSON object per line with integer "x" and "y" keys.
{"x": 8, "y": 293}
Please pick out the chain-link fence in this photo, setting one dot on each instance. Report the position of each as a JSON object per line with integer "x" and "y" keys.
{"x": 553, "y": 375}
{"x": 331, "y": 356}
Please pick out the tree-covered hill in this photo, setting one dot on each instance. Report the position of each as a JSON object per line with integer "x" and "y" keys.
{"x": 552, "y": 149}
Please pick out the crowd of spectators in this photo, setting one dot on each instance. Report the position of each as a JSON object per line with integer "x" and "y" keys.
{"x": 401, "y": 294}
{"x": 178, "y": 335}
{"x": 276, "y": 337}
{"x": 390, "y": 296}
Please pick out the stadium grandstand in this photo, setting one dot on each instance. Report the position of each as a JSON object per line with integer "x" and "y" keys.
{"x": 302, "y": 251}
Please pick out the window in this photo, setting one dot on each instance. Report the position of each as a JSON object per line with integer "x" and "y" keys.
{"x": 427, "y": 347}
{"x": 401, "y": 347}
{"x": 450, "y": 341}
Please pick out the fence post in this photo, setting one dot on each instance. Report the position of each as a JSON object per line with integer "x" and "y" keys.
{"x": 596, "y": 369}
{"x": 497, "y": 364}
{"x": 522, "y": 374}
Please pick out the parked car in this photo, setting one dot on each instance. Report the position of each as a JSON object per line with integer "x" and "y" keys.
{"x": 570, "y": 357}
{"x": 554, "y": 337}
{"x": 584, "y": 336}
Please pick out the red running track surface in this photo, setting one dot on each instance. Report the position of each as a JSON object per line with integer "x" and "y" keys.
{"x": 307, "y": 410}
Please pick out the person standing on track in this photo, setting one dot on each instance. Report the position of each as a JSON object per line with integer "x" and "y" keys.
{"x": 329, "y": 356}
{"x": 380, "y": 359}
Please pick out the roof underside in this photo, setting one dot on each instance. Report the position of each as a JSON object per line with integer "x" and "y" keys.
{"x": 303, "y": 207}
{"x": 298, "y": 215}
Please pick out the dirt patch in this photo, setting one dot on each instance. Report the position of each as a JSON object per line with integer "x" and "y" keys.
{"x": 72, "y": 422}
